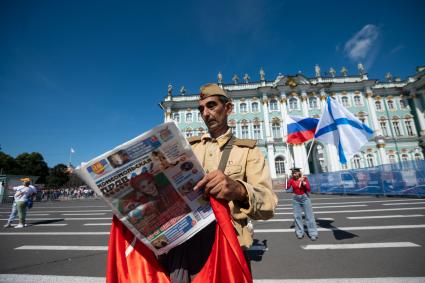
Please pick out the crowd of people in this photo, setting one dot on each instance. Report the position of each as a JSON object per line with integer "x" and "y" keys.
{"x": 80, "y": 192}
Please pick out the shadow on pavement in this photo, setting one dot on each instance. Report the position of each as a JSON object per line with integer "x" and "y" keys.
{"x": 338, "y": 233}
{"x": 49, "y": 221}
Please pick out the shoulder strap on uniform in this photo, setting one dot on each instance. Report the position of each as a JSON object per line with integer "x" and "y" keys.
{"x": 193, "y": 140}
{"x": 245, "y": 143}
{"x": 226, "y": 153}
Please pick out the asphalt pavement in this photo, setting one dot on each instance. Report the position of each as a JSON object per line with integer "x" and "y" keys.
{"x": 361, "y": 239}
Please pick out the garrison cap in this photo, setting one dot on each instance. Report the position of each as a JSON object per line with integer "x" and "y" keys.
{"x": 210, "y": 90}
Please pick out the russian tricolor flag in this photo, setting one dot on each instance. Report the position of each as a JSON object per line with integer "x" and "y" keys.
{"x": 301, "y": 129}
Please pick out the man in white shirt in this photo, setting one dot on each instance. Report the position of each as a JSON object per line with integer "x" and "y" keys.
{"x": 22, "y": 194}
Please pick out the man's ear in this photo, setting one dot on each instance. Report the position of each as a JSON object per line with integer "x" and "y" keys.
{"x": 229, "y": 107}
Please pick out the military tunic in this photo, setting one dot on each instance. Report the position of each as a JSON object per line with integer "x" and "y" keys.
{"x": 246, "y": 165}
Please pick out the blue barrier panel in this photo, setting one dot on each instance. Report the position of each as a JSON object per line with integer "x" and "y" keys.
{"x": 400, "y": 179}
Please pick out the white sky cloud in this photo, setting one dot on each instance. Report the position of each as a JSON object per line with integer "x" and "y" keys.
{"x": 362, "y": 43}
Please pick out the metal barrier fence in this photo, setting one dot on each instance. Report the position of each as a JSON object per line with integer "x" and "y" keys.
{"x": 400, "y": 179}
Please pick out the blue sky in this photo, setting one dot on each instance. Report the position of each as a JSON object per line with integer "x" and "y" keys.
{"x": 89, "y": 74}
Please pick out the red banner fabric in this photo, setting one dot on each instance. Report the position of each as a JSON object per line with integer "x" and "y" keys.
{"x": 130, "y": 261}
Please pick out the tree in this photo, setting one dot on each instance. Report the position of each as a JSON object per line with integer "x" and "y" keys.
{"x": 57, "y": 176}
{"x": 32, "y": 164}
{"x": 7, "y": 164}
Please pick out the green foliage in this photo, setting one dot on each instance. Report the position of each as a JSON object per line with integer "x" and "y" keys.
{"x": 7, "y": 164}
{"x": 57, "y": 176}
{"x": 32, "y": 164}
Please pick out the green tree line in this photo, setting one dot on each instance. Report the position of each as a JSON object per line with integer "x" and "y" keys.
{"x": 33, "y": 164}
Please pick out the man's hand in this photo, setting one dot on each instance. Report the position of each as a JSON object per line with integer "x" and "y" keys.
{"x": 220, "y": 186}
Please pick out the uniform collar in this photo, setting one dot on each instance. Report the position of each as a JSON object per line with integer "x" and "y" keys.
{"x": 221, "y": 140}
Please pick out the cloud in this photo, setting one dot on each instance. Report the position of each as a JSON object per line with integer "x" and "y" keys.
{"x": 363, "y": 44}
{"x": 397, "y": 49}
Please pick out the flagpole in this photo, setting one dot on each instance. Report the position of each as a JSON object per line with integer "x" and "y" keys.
{"x": 311, "y": 146}
{"x": 70, "y": 155}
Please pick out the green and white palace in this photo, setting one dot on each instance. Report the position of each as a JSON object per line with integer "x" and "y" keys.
{"x": 394, "y": 109}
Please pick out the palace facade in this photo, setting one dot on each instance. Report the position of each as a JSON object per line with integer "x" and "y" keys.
{"x": 394, "y": 109}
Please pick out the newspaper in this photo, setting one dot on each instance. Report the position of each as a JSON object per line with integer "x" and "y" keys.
{"x": 148, "y": 181}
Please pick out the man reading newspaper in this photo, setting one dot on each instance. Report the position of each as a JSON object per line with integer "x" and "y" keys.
{"x": 245, "y": 183}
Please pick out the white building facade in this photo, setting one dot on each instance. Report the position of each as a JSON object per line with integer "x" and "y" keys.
{"x": 393, "y": 109}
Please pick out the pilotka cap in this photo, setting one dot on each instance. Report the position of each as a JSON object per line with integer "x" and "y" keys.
{"x": 210, "y": 90}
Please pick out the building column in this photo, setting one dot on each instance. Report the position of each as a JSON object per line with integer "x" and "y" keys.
{"x": 269, "y": 138}
{"x": 304, "y": 106}
{"x": 300, "y": 158}
{"x": 284, "y": 113}
{"x": 371, "y": 108}
{"x": 380, "y": 144}
{"x": 266, "y": 117}
{"x": 333, "y": 158}
{"x": 322, "y": 98}
{"x": 419, "y": 113}
{"x": 167, "y": 115}
{"x": 271, "y": 157}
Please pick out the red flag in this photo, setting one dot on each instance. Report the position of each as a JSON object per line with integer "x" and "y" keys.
{"x": 131, "y": 261}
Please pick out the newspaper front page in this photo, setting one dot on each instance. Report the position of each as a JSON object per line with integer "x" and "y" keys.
{"x": 148, "y": 181}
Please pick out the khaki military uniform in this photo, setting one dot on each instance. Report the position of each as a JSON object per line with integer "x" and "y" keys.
{"x": 246, "y": 165}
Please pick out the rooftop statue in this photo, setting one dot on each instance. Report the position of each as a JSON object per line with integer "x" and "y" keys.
{"x": 262, "y": 74}
{"x": 317, "y": 70}
{"x": 219, "y": 78}
{"x": 170, "y": 89}
{"x": 344, "y": 71}
{"x": 332, "y": 72}
{"x": 246, "y": 78}
{"x": 389, "y": 77}
{"x": 361, "y": 69}
{"x": 182, "y": 90}
{"x": 235, "y": 78}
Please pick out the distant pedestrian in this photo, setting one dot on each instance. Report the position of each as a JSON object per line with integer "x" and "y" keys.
{"x": 22, "y": 194}
{"x": 301, "y": 202}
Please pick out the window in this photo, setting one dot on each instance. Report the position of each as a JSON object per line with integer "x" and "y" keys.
{"x": 370, "y": 162}
{"x": 273, "y": 105}
{"x": 244, "y": 132}
{"x": 233, "y": 129}
{"x": 176, "y": 117}
{"x": 199, "y": 117}
{"x": 344, "y": 100}
{"x": 362, "y": 119}
{"x": 276, "y": 129}
{"x": 293, "y": 103}
{"x": 355, "y": 162}
{"x": 403, "y": 104}
{"x": 232, "y": 126}
{"x": 280, "y": 165}
{"x": 357, "y": 100}
{"x": 189, "y": 117}
{"x": 384, "y": 128}
{"x": 390, "y": 104}
{"x": 254, "y": 107}
{"x": 312, "y": 101}
{"x": 396, "y": 126}
{"x": 378, "y": 105}
{"x": 404, "y": 157}
{"x": 391, "y": 158}
{"x": 189, "y": 133}
{"x": 409, "y": 128}
{"x": 257, "y": 132}
{"x": 418, "y": 156}
{"x": 242, "y": 108}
